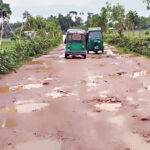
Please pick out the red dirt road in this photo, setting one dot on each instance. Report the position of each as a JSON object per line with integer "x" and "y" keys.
{"x": 100, "y": 103}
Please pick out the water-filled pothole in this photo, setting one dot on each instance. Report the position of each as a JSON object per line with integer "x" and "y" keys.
{"x": 108, "y": 106}
{"x": 139, "y": 74}
{"x": 8, "y": 124}
{"x": 8, "y": 89}
{"x": 59, "y": 92}
{"x": 24, "y": 106}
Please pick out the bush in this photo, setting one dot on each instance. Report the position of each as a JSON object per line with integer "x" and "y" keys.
{"x": 141, "y": 46}
{"x": 10, "y": 59}
{"x": 147, "y": 33}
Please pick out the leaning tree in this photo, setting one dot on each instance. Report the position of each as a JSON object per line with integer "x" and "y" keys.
{"x": 5, "y": 13}
{"x": 148, "y": 3}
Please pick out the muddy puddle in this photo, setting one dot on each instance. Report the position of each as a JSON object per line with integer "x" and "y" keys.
{"x": 24, "y": 106}
{"x": 59, "y": 92}
{"x": 7, "y": 109}
{"x": 32, "y": 86}
{"x": 8, "y": 124}
{"x": 40, "y": 145}
{"x": 38, "y": 69}
{"x": 108, "y": 106}
{"x": 135, "y": 142}
{"x": 93, "y": 80}
{"x": 139, "y": 74}
{"x": 8, "y": 89}
{"x": 104, "y": 94}
{"x": 39, "y": 63}
{"x": 29, "y": 106}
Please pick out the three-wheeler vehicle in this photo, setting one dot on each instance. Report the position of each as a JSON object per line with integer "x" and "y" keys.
{"x": 95, "y": 40}
{"x": 75, "y": 43}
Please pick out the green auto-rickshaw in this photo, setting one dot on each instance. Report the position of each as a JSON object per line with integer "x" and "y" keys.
{"x": 75, "y": 43}
{"x": 95, "y": 40}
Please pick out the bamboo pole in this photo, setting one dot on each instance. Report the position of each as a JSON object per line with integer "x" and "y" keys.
{"x": 2, "y": 33}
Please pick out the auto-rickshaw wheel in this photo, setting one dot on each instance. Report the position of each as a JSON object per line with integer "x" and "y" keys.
{"x": 84, "y": 56}
{"x": 66, "y": 56}
{"x": 88, "y": 51}
{"x": 96, "y": 52}
{"x": 102, "y": 50}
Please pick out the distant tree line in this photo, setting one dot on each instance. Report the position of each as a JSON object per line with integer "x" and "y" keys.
{"x": 115, "y": 18}
{"x": 65, "y": 21}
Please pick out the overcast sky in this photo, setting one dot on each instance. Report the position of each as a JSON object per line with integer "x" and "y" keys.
{"x": 53, "y": 7}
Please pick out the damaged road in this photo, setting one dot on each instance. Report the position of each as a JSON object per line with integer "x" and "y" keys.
{"x": 100, "y": 103}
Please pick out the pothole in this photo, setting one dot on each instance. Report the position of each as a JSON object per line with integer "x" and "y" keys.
{"x": 60, "y": 92}
{"x": 93, "y": 80}
{"x": 24, "y": 106}
{"x": 8, "y": 89}
{"x": 139, "y": 74}
{"x": 9, "y": 124}
{"x": 40, "y": 145}
{"x": 38, "y": 69}
{"x": 104, "y": 94}
{"x": 32, "y": 86}
{"x": 108, "y": 106}
{"x": 29, "y": 106}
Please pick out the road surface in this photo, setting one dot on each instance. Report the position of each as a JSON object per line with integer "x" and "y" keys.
{"x": 98, "y": 103}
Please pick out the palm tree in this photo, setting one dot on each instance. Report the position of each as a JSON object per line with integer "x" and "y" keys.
{"x": 5, "y": 13}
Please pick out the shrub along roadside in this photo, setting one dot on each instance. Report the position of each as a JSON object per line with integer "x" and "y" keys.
{"x": 26, "y": 50}
{"x": 140, "y": 46}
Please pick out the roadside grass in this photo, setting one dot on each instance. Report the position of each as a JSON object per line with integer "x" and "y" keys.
{"x": 137, "y": 34}
{"x": 122, "y": 51}
{"x": 7, "y": 44}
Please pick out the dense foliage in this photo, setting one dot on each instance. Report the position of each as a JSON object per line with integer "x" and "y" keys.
{"x": 48, "y": 36}
{"x": 116, "y": 18}
{"x": 141, "y": 46}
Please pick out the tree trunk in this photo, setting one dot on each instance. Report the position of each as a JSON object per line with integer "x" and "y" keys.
{"x": 22, "y": 26}
{"x": 128, "y": 34}
{"x": 139, "y": 33}
{"x": 2, "y": 33}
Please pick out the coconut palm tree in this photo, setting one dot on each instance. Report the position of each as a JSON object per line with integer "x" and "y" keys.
{"x": 5, "y": 13}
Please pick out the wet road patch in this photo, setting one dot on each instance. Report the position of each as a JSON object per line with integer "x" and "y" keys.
{"x": 118, "y": 120}
{"x": 29, "y": 106}
{"x": 39, "y": 145}
{"x": 135, "y": 142}
{"x": 8, "y": 124}
{"x": 8, "y": 89}
{"x": 59, "y": 92}
{"x": 24, "y": 106}
{"x": 108, "y": 106}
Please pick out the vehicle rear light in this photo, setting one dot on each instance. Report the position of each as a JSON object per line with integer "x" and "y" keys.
{"x": 83, "y": 46}
{"x": 68, "y": 45}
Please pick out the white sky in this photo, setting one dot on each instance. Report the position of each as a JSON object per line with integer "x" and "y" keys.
{"x": 53, "y": 7}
